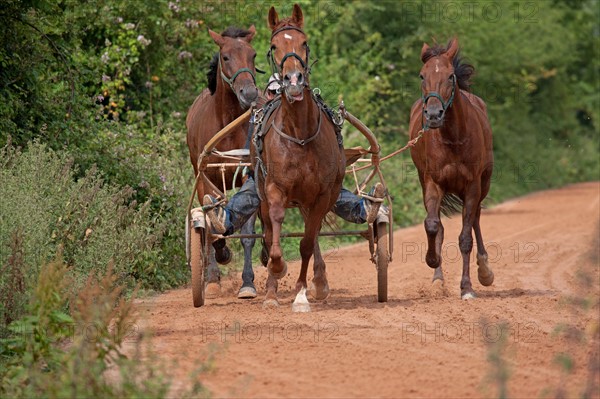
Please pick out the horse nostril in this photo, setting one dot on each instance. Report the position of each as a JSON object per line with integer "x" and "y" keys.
{"x": 440, "y": 113}
{"x": 300, "y": 78}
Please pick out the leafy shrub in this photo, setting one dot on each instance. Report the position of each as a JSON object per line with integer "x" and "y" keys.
{"x": 44, "y": 208}
{"x": 53, "y": 354}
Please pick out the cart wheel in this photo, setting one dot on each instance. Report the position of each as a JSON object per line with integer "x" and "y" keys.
{"x": 197, "y": 265}
{"x": 382, "y": 257}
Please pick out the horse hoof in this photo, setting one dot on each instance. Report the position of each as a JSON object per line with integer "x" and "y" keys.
{"x": 318, "y": 294}
{"x": 301, "y": 304}
{"x": 486, "y": 279}
{"x": 270, "y": 304}
{"x": 223, "y": 256}
{"x": 212, "y": 291}
{"x": 484, "y": 273}
{"x": 468, "y": 295}
{"x": 438, "y": 288}
{"x": 279, "y": 275}
{"x": 247, "y": 293}
{"x": 300, "y": 307}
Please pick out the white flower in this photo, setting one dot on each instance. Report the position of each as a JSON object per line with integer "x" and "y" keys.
{"x": 143, "y": 40}
{"x": 184, "y": 55}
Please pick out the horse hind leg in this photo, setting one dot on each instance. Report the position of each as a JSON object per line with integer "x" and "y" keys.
{"x": 248, "y": 290}
{"x": 484, "y": 272}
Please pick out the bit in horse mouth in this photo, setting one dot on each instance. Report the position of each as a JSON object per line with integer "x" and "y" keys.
{"x": 294, "y": 93}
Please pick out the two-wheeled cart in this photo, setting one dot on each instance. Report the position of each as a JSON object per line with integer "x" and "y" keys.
{"x": 199, "y": 236}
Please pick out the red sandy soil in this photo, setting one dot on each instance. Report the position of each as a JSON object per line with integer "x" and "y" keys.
{"x": 425, "y": 341}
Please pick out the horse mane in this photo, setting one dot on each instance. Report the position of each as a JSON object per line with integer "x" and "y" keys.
{"x": 213, "y": 68}
{"x": 462, "y": 70}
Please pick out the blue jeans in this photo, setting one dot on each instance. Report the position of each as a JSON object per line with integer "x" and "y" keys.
{"x": 245, "y": 202}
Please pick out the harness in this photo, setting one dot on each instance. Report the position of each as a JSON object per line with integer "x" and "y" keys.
{"x": 261, "y": 127}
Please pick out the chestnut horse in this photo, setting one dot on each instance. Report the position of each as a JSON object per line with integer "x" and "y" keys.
{"x": 231, "y": 90}
{"x": 301, "y": 163}
{"x": 454, "y": 159}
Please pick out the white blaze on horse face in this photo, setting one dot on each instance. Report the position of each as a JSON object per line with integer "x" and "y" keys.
{"x": 437, "y": 64}
{"x": 288, "y": 37}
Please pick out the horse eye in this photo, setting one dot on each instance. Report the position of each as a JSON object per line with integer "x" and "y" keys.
{"x": 273, "y": 47}
{"x": 421, "y": 76}
{"x": 254, "y": 56}
{"x": 225, "y": 58}
{"x": 304, "y": 45}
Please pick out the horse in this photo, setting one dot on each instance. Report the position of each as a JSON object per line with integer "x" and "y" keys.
{"x": 301, "y": 162}
{"x": 231, "y": 90}
{"x": 454, "y": 158}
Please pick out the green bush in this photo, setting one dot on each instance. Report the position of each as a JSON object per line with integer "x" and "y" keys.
{"x": 44, "y": 208}
{"x": 52, "y": 353}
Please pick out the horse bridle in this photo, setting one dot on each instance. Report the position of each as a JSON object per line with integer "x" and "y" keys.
{"x": 230, "y": 81}
{"x": 279, "y": 68}
{"x": 445, "y": 104}
{"x": 435, "y": 94}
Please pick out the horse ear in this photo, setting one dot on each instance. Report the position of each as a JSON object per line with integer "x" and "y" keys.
{"x": 273, "y": 18}
{"x": 424, "y": 50}
{"x": 297, "y": 16}
{"x": 217, "y": 38}
{"x": 252, "y": 31}
{"x": 452, "y": 48}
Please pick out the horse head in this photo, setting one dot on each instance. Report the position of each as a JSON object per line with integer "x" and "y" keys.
{"x": 438, "y": 82}
{"x": 236, "y": 63}
{"x": 289, "y": 53}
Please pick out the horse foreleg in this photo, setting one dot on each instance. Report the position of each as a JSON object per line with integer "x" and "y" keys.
{"x": 248, "y": 290}
{"x": 438, "y": 274}
{"x": 484, "y": 272}
{"x": 271, "y": 286}
{"x": 277, "y": 266}
{"x": 465, "y": 239}
{"x": 432, "y": 197}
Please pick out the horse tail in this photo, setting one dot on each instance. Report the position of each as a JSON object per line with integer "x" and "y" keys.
{"x": 451, "y": 204}
{"x": 331, "y": 221}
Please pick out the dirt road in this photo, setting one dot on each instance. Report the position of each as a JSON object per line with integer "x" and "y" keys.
{"x": 425, "y": 342}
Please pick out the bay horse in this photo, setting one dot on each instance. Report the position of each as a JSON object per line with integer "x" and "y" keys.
{"x": 231, "y": 91}
{"x": 301, "y": 164}
{"x": 454, "y": 158}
